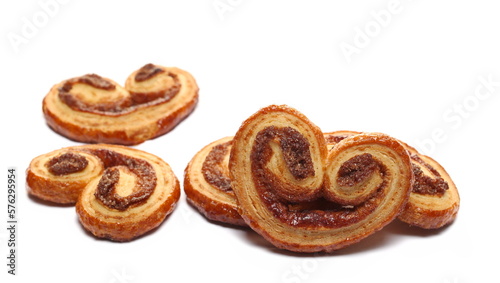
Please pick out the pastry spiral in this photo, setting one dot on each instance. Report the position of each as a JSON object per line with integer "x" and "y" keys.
{"x": 94, "y": 109}
{"x": 434, "y": 201}
{"x": 208, "y": 186}
{"x": 291, "y": 190}
{"x": 61, "y": 175}
{"x": 120, "y": 193}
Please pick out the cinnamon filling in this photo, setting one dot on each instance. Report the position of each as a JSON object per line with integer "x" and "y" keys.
{"x": 147, "y": 72}
{"x": 294, "y": 146}
{"x": 426, "y": 185}
{"x": 67, "y": 163}
{"x": 319, "y": 213}
{"x": 315, "y": 213}
{"x": 124, "y": 105}
{"x": 91, "y": 80}
{"x": 295, "y": 154}
{"x": 334, "y": 139}
{"x": 356, "y": 170}
{"x": 106, "y": 188}
{"x": 154, "y": 98}
{"x": 212, "y": 165}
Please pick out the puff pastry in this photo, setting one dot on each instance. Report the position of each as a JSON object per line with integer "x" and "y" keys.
{"x": 94, "y": 109}
{"x": 279, "y": 163}
{"x": 434, "y": 201}
{"x": 208, "y": 186}
{"x": 120, "y": 192}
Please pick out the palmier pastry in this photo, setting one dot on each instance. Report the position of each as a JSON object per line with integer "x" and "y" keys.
{"x": 94, "y": 109}
{"x": 208, "y": 186}
{"x": 434, "y": 200}
{"x": 278, "y": 163}
{"x": 120, "y": 193}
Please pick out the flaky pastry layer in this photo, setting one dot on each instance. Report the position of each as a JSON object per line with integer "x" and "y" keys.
{"x": 136, "y": 121}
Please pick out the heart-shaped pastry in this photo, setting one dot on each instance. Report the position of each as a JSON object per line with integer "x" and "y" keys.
{"x": 94, "y": 109}
{"x": 120, "y": 192}
{"x": 302, "y": 197}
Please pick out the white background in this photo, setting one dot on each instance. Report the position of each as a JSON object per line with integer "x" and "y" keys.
{"x": 412, "y": 72}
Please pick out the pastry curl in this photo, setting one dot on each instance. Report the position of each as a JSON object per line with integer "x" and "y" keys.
{"x": 120, "y": 193}
{"x": 434, "y": 201}
{"x": 61, "y": 175}
{"x": 208, "y": 186}
{"x": 369, "y": 175}
{"x": 94, "y": 109}
{"x": 286, "y": 185}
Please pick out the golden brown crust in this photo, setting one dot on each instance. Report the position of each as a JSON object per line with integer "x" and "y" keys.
{"x": 125, "y": 228}
{"x": 63, "y": 189}
{"x": 214, "y": 201}
{"x": 431, "y": 211}
{"x": 317, "y": 224}
{"x": 388, "y": 188}
{"x": 140, "y": 111}
{"x": 333, "y": 138}
{"x": 428, "y": 211}
{"x": 43, "y": 188}
{"x": 120, "y": 193}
